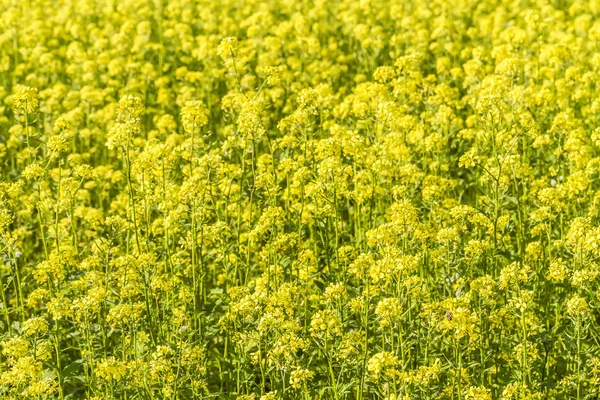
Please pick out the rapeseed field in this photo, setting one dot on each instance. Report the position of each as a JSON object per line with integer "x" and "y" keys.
{"x": 300, "y": 200}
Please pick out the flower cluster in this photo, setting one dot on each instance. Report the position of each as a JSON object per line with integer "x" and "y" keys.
{"x": 280, "y": 200}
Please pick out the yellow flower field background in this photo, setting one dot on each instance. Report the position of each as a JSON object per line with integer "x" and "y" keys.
{"x": 279, "y": 199}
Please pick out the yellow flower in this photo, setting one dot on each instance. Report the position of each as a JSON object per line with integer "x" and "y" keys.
{"x": 228, "y": 48}
{"x": 577, "y": 307}
{"x": 299, "y": 377}
{"x": 36, "y": 326}
{"x": 383, "y": 365}
{"x": 25, "y": 100}
{"x": 194, "y": 115}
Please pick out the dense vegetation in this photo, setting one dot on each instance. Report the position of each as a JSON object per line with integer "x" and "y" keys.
{"x": 278, "y": 199}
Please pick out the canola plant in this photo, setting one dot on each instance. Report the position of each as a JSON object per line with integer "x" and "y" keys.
{"x": 303, "y": 200}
